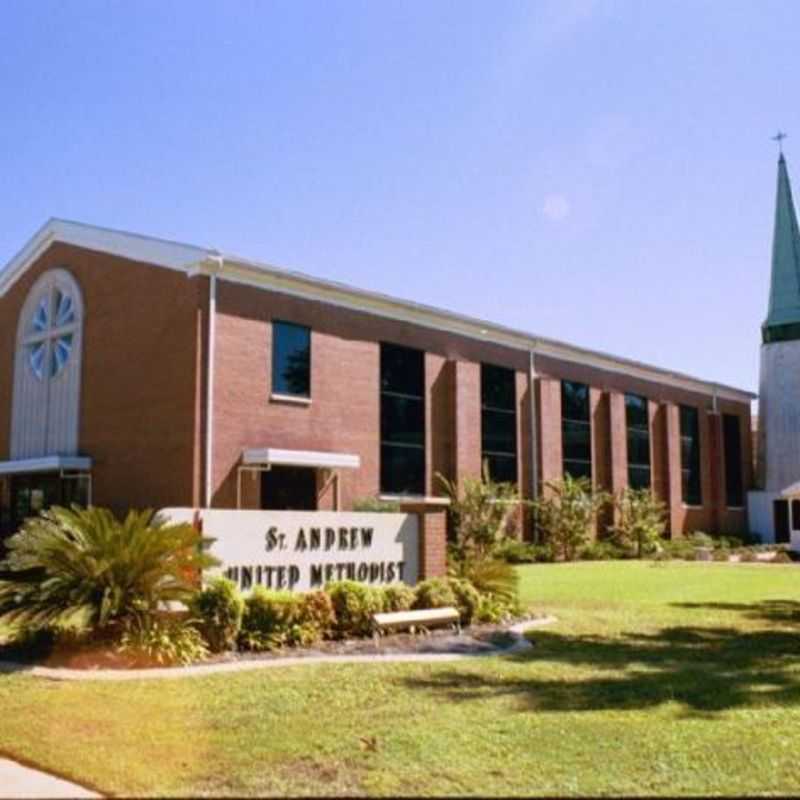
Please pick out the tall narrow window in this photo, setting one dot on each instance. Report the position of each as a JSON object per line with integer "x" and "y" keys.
{"x": 690, "y": 456}
{"x": 402, "y": 420}
{"x": 291, "y": 359}
{"x": 499, "y": 422}
{"x": 576, "y": 429}
{"x": 732, "y": 443}
{"x": 638, "y": 436}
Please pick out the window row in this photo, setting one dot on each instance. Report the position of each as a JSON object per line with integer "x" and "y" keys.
{"x": 402, "y": 422}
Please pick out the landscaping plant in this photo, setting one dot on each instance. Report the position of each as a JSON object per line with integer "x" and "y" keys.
{"x": 162, "y": 639}
{"x": 219, "y": 608}
{"x": 640, "y": 520}
{"x": 354, "y": 604}
{"x": 84, "y": 566}
{"x": 566, "y": 512}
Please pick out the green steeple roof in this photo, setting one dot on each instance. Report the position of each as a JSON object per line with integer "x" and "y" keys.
{"x": 783, "y": 317}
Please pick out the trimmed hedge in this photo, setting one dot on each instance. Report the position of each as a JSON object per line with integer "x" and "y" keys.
{"x": 219, "y": 609}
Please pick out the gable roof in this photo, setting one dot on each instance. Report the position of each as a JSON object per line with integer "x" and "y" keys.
{"x": 194, "y": 260}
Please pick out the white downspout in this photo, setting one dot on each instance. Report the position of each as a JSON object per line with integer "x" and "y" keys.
{"x": 216, "y": 265}
{"x": 534, "y": 435}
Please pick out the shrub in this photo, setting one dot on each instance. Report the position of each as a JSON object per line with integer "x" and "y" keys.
{"x": 494, "y": 610}
{"x": 271, "y": 619}
{"x": 316, "y": 609}
{"x": 467, "y": 598}
{"x": 602, "y": 551}
{"x": 641, "y": 520}
{"x": 679, "y": 548}
{"x": 493, "y": 578}
{"x": 746, "y": 555}
{"x": 398, "y": 597}
{"x": 87, "y": 567}
{"x": 354, "y": 605}
{"x": 565, "y": 514}
{"x": 374, "y": 505}
{"x": 434, "y": 593}
{"x": 721, "y": 554}
{"x": 543, "y": 553}
{"x": 162, "y": 639}
{"x": 516, "y": 552}
{"x": 700, "y": 539}
{"x": 781, "y": 557}
{"x": 219, "y": 608}
{"x": 483, "y": 513}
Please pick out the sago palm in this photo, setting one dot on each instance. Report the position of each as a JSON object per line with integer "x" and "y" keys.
{"x": 87, "y": 567}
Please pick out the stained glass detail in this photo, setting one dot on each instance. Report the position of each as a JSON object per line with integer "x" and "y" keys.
{"x": 65, "y": 310}
{"x": 40, "y": 321}
{"x": 36, "y": 359}
{"x": 50, "y": 341}
{"x": 62, "y": 347}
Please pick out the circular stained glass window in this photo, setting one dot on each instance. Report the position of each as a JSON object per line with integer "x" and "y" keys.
{"x": 51, "y": 333}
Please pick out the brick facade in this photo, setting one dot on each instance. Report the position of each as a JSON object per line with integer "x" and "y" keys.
{"x": 143, "y": 396}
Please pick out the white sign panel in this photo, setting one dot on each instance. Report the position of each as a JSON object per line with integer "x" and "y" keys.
{"x": 304, "y": 550}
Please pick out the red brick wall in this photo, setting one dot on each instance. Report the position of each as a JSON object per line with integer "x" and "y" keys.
{"x": 140, "y": 414}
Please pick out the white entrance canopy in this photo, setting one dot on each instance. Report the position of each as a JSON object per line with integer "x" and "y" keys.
{"x": 271, "y": 456}
{"x": 46, "y": 464}
{"x": 792, "y": 491}
{"x": 261, "y": 459}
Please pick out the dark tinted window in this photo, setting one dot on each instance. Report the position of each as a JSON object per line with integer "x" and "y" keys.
{"x": 638, "y": 438}
{"x": 733, "y": 460}
{"x": 690, "y": 456}
{"x": 576, "y": 429}
{"x": 402, "y": 420}
{"x": 499, "y": 422}
{"x": 291, "y": 359}
{"x": 796, "y": 515}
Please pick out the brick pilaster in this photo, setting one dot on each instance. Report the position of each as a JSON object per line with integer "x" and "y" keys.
{"x": 467, "y": 420}
{"x": 432, "y": 521}
{"x": 674, "y": 497}
{"x": 551, "y": 465}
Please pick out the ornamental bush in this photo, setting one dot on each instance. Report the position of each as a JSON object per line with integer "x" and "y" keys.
{"x": 434, "y": 593}
{"x": 354, "y": 604}
{"x": 398, "y": 597}
{"x": 219, "y": 609}
{"x": 272, "y": 619}
{"x": 516, "y": 552}
{"x": 316, "y": 610}
{"x": 87, "y": 568}
{"x": 166, "y": 640}
{"x": 468, "y": 599}
{"x": 640, "y": 520}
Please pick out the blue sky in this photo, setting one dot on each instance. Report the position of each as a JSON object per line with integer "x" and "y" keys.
{"x": 598, "y": 172}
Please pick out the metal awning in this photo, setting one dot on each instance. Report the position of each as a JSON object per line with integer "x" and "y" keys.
{"x": 271, "y": 456}
{"x": 46, "y": 464}
{"x": 791, "y": 491}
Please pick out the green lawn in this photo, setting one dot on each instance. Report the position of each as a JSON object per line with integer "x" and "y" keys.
{"x": 657, "y": 679}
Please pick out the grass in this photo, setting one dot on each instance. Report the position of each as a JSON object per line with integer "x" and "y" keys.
{"x": 657, "y": 679}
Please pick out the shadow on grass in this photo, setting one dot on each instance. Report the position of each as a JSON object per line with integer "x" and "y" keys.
{"x": 707, "y": 669}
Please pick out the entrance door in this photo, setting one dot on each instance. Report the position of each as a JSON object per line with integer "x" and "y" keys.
{"x": 781, "y": 517}
{"x": 289, "y": 489}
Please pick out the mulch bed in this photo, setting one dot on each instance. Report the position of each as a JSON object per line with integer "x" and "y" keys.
{"x": 474, "y": 639}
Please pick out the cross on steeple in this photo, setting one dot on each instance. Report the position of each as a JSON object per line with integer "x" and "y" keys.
{"x": 779, "y": 137}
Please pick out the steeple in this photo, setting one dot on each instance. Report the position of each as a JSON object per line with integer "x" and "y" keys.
{"x": 783, "y": 317}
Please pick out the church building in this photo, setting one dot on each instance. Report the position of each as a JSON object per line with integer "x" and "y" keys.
{"x": 142, "y": 373}
{"x": 775, "y": 506}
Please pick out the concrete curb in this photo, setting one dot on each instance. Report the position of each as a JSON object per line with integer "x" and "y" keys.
{"x": 518, "y": 631}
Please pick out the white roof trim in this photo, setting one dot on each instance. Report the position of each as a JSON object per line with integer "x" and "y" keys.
{"x": 198, "y": 260}
{"x": 160, "y": 252}
{"x": 46, "y": 464}
{"x": 791, "y": 491}
{"x": 300, "y": 458}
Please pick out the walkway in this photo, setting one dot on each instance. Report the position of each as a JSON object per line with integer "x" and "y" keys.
{"x": 18, "y": 782}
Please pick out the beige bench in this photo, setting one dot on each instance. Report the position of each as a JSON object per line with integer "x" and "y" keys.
{"x": 411, "y": 620}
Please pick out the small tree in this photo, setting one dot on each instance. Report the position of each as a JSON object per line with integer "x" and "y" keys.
{"x": 483, "y": 512}
{"x": 641, "y": 520}
{"x": 565, "y": 515}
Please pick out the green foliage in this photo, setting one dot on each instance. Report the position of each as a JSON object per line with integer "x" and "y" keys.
{"x": 165, "y": 640}
{"x": 219, "y": 608}
{"x": 85, "y": 566}
{"x": 640, "y": 520}
{"x": 434, "y": 593}
{"x": 491, "y": 577}
{"x": 354, "y": 605}
{"x": 681, "y": 548}
{"x": 494, "y": 610}
{"x": 781, "y": 557}
{"x": 316, "y": 610}
{"x": 516, "y": 552}
{"x": 398, "y": 597}
{"x": 273, "y": 619}
{"x": 602, "y": 551}
{"x": 700, "y": 539}
{"x": 376, "y": 506}
{"x": 467, "y": 599}
{"x": 483, "y": 513}
{"x": 721, "y": 554}
{"x": 564, "y": 515}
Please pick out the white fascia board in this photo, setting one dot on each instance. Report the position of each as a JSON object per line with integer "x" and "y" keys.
{"x": 791, "y": 491}
{"x": 271, "y": 456}
{"x": 46, "y": 464}
{"x": 145, "y": 249}
{"x": 298, "y": 285}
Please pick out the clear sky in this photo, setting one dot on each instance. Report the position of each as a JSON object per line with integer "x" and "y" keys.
{"x": 598, "y": 172}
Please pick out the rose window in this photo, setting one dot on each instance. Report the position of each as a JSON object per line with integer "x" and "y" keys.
{"x": 51, "y": 333}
